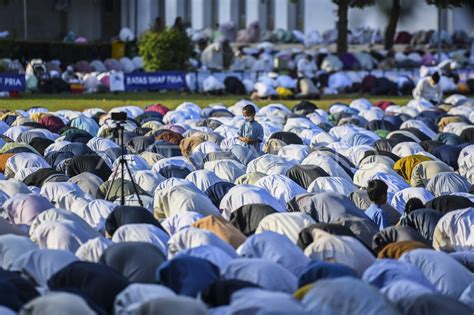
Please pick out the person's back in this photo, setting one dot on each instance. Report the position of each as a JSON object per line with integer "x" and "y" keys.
{"x": 393, "y": 216}
{"x": 242, "y": 62}
{"x": 379, "y": 212}
{"x": 306, "y": 67}
{"x": 212, "y": 57}
{"x": 69, "y": 76}
{"x": 377, "y": 215}
{"x": 307, "y": 87}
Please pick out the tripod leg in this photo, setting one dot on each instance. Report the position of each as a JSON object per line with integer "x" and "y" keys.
{"x": 109, "y": 189}
{"x": 122, "y": 170}
{"x": 122, "y": 182}
{"x": 134, "y": 185}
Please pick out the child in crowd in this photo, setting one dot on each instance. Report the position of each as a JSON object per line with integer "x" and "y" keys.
{"x": 251, "y": 132}
{"x": 379, "y": 211}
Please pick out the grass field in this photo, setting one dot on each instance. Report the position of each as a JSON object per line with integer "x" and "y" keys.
{"x": 106, "y": 101}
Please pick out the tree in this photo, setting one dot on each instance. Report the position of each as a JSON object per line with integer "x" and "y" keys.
{"x": 168, "y": 50}
{"x": 395, "y": 10}
{"x": 445, "y": 4}
{"x": 391, "y": 29}
{"x": 342, "y": 22}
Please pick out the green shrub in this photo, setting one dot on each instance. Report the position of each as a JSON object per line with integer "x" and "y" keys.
{"x": 167, "y": 50}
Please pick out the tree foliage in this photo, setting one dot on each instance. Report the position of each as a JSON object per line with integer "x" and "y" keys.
{"x": 169, "y": 49}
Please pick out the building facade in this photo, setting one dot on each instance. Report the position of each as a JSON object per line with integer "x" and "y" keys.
{"x": 53, "y": 19}
{"x": 103, "y": 19}
{"x": 304, "y": 15}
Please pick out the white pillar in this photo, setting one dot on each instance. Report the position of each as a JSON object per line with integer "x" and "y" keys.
{"x": 229, "y": 11}
{"x": 128, "y": 14}
{"x": 84, "y": 19}
{"x": 460, "y": 19}
{"x": 154, "y": 12}
{"x": 147, "y": 12}
{"x": 256, "y": 13}
{"x": 310, "y": 18}
{"x": 124, "y": 13}
{"x": 285, "y": 15}
{"x": 131, "y": 15}
{"x": 450, "y": 21}
{"x": 201, "y": 14}
{"x": 173, "y": 9}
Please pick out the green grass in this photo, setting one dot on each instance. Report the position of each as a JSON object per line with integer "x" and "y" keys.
{"x": 107, "y": 101}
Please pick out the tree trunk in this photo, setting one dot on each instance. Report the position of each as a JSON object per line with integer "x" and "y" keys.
{"x": 342, "y": 12}
{"x": 391, "y": 28}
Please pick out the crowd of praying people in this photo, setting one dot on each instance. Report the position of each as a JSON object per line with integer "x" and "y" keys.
{"x": 363, "y": 208}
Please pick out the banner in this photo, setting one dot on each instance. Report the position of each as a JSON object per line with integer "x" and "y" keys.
{"x": 117, "y": 81}
{"x": 12, "y": 82}
{"x": 166, "y": 80}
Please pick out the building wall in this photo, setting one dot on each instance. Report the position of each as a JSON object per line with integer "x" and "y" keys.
{"x": 201, "y": 16}
{"x": 319, "y": 15}
{"x": 173, "y": 9}
{"x": 43, "y": 21}
{"x": 322, "y": 15}
{"x": 148, "y": 11}
{"x": 228, "y": 10}
{"x": 424, "y": 17}
{"x": 84, "y": 18}
{"x": 462, "y": 19}
{"x": 285, "y": 14}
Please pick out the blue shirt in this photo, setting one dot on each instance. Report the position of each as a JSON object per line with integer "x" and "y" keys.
{"x": 252, "y": 130}
{"x": 377, "y": 214}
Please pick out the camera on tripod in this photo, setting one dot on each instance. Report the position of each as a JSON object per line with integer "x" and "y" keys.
{"x": 119, "y": 120}
{"x": 120, "y": 116}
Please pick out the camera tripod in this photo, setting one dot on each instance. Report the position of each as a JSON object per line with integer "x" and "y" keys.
{"x": 118, "y": 132}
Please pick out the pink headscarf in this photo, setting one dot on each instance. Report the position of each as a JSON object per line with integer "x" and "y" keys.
{"x": 22, "y": 209}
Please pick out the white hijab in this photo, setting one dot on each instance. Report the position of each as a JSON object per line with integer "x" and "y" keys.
{"x": 136, "y": 294}
{"x": 194, "y": 237}
{"x": 57, "y": 303}
{"x": 147, "y": 233}
{"x": 289, "y": 224}
{"x": 203, "y": 179}
{"x": 280, "y": 187}
{"x": 93, "y": 249}
{"x": 12, "y": 246}
{"x": 455, "y": 231}
{"x": 173, "y": 200}
{"x": 41, "y": 264}
{"x": 245, "y": 194}
{"x": 345, "y": 250}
